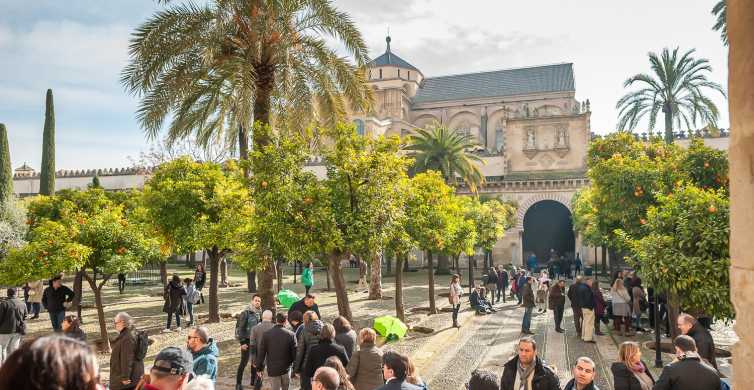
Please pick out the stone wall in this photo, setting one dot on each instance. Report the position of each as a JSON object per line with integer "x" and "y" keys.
{"x": 741, "y": 104}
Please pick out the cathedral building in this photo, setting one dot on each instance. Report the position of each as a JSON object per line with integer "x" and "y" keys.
{"x": 532, "y": 135}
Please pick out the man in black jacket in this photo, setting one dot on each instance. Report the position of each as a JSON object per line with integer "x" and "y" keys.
{"x": 502, "y": 282}
{"x": 575, "y": 304}
{"x": 527, "y": 366}
{"x": 12, "y": 324}
{"x": 584, "y": 373}
{"x": 705, "y": 345}
{"x": 54, "y": 300}
{"x": 277, "y": 351}
{"x": 585, "y": 296}
{"x": 306, "y": 304}
{"x": 689, "y": 371}
{"x": 246, "y": 321}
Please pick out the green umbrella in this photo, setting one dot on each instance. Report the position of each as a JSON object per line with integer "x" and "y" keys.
{"x": 390, "y": 327}
{"x": 287, "y": 298}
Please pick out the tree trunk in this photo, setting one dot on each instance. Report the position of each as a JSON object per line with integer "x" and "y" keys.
{"x": 251, "y": 281}
{"x": 471, "y": 274}
{"x": 674, "y": 310}
{"x": 214, "y": 264}
{"x": 668, "y": 111}
{"x": 344, "y": 307}
{"x": 399, "y": 311}
{"x": 389, "y": 266}
{"x": 224, "y": 272}
{"x": 375, "y": 282}
{"x": 431, "y": 277}
{"x": 295, "y": 271}
{"x": 164, "y": 273}
{"x": 327, "y": 276}
{"x": 604, "y": 262}
{"x": 97, "y": 290}
{"x": 204, "y": 259}
{"x": 443, "y": 267}
{"x": 265, "y": 81}
{"x": 279, "y": 274}
{"x": 78, "y": 292}
{"x": 267, "y": 285}
{"x": 192, "y": 259}
{"x": 405, "y": 265}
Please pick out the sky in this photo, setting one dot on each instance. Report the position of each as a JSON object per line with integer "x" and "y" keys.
{"x": 78, "y": 48}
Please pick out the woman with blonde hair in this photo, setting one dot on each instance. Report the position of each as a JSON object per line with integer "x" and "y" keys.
{"x": 345, "y": 381}
{"x": 630, "y": 372}
{"x": 365, "y": 366}
{"x": 454, "y": 297}
{"x": 621, "y": 307}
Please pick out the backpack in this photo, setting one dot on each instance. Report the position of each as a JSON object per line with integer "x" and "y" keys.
{"x": 194, "y": 296}
{"x": 142, "y": 345}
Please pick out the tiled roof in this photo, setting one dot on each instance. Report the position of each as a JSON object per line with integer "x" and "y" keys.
{"x": 499, "y": 83}
{"x": 389, "y": 58}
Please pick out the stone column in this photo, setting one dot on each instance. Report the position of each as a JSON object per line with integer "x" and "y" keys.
{"x": 741, "y": 103}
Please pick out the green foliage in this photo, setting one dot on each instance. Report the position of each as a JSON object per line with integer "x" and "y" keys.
{"x": 626, "y": 177}
{"x": 53, "y": 249}
{"x": 676, "y": 89}
{"x": 288, "y": 202}
{"x": 429, "y": 222}
{"x": 364, "y": 189}
{"x": 720, "y": 10}
{"x": 685, "y": 249}
{"x": 47, "y": 174}
{"x": 667, "y": 209}
{"x": 95, "y": 182}
{"x": 197, "y": 205}
{"x": 214, "y": 68}
{"x": 491, "y": 219}
{"x": 6, "y": 171}
{"x": 79, "y": 230}
{"x": 706, "y": 167}
{"x": 446, "y": 151}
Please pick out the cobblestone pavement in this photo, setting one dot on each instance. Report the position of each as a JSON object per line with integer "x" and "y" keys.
{"x": 487, "y": 342}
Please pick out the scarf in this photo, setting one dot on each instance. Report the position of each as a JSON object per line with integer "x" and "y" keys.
{"x": 524, "y": 373}
{"x": 638, "y": 368}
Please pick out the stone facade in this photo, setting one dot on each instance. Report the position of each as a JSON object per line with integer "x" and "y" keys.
{"x": 531, "y": 130}
{"x": 741, "y": 104}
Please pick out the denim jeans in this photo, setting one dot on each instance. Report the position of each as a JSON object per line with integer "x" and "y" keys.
{"x": 36, "y": 308}
{"x": 455, "y": 313}
{"x": 8, "y": 344}
{"x": 190, "y": 311}
{"x": 637, "y": 321}
{"x": 526, "y": 325}
{"x": 57, "y": 320}
{"x": 170, "y": 320}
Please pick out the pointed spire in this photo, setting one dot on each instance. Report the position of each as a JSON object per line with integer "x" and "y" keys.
{"x": 387, "y": 39}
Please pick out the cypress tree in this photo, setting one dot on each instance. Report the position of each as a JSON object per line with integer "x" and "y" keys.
{"x": 6, "y": 174}
{"x": 47, "y": 175}
{"x": 95, "y": 182}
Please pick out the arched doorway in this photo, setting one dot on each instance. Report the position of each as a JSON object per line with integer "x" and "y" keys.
{"x": 548, "y": 225}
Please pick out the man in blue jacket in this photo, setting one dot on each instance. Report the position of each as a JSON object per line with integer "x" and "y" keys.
{"x": 204, "y": 351}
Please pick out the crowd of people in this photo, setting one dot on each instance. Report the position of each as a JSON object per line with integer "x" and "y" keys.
{"x": 277, "y": 347}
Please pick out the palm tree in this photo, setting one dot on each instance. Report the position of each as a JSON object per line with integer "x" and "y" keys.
{"x": 676, "y": 88}
{"x": 446, "y": 151}
{"x": 720, "y": 10}
{"x": 216, "y": 69}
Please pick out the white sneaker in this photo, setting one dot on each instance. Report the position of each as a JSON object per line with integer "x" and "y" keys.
{"x": 178, "y": 329}
{"x": 166, "y": 330}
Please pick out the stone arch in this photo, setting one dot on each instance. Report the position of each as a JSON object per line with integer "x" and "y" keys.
{"x": 523, "y": 207}
{"x": 548, "y": 110}
{"x": 423, "y": 120}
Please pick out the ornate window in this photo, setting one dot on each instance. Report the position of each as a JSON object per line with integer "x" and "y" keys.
{"x": 499, "y": 138}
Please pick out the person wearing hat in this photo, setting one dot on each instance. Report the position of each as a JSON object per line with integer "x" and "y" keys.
{"x": 173, "y": 368}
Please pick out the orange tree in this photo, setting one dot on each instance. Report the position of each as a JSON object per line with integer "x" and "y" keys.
{"x": 429, "y": 221}
{"x": 194, "y": 206}
{"x": 87, "y": 232}
{"x": 632, "y": 185}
